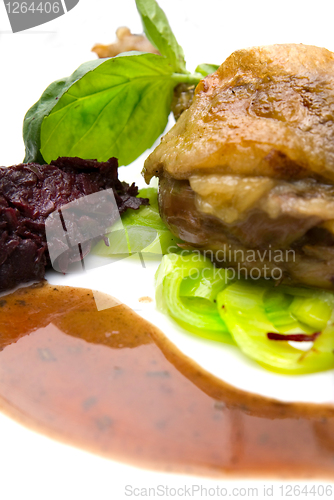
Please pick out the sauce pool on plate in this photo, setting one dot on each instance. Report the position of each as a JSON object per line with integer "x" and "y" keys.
{"x": 112, "y": 383}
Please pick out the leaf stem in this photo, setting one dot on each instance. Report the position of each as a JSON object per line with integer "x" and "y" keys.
{"x": 187, "y": 78}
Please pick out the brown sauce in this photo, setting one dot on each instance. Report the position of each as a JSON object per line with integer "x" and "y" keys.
{"x": 112, "y": 383}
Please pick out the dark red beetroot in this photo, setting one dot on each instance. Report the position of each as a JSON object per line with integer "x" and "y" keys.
{"x": 30, "y": 192}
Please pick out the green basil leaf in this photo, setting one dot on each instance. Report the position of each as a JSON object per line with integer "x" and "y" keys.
{"x": 118, "y": 109}
{"x": 35, "y": 115}
{"x": 206, "y": 69}
{"x": 160, "y": 34}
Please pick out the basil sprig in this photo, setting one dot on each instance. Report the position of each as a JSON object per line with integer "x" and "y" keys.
{"x": 160, "y": 34}
{"x": 111, "y": 107}
{"x": 42, "y": 108}
{"x": 118, "y": 109}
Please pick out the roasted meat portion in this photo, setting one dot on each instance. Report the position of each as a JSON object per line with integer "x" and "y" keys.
{"x": 29, "y": 193}
{"x": 247, "y": 172}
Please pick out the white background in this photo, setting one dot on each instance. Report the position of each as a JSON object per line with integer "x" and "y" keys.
{"x": 32, "y": 466}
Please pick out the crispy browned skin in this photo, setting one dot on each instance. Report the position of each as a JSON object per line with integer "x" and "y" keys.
{"x": 266, "y": 111}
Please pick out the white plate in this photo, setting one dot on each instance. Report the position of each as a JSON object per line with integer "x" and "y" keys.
{"x": 208, "y": 32}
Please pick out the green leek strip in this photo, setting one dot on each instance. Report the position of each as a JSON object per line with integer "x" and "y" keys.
{"x": 310, "y": 306}
{"x": 139, "y": 231}
{"x": 276, "y": 304}
{"x": 242, "y": 306}
{"x": 312, "y": 311}
{"x": 186, "y": 288}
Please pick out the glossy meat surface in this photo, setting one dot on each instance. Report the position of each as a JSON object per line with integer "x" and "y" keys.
{"x": 266, "y": 111}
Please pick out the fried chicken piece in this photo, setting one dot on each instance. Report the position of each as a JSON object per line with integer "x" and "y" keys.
{"x": 250, "y": 164}
{"x": 265, "y": 111}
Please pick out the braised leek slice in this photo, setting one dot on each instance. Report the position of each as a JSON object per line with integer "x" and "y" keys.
{"x": 285, "y": 329}
{"x": 242, "y": 305}
{"x": 186, "y": 289}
